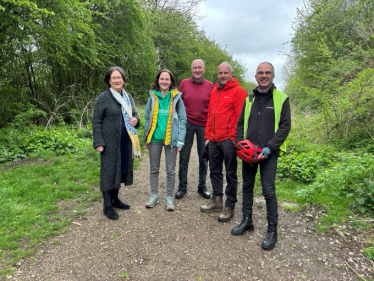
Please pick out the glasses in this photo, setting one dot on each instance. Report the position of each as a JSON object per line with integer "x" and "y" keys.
{"x": 116, "y": 78}
{"x": 267, "y": 73}
{"x": 197, "y": 67}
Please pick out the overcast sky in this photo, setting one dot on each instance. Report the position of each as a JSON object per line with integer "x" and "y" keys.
{"x": 252, "y": 31}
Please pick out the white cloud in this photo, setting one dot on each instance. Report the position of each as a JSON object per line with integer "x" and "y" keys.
{"x": 253, "y": 31}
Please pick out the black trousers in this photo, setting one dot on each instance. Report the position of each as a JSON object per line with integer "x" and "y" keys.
{"x": 268, "y": 169}
{"x": 219, "y": 153}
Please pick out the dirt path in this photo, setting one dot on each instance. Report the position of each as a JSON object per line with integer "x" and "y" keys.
{"x": 153, "y": 244}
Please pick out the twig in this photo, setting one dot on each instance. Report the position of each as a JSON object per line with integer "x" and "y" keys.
{"x": 355, "y": 271}
{"x": 77, "y": 223}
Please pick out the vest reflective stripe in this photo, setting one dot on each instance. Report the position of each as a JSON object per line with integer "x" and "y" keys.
{"x": 278, "y": 100}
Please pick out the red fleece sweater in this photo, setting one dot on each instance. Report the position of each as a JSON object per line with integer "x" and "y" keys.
{"x": 196, "y": 100}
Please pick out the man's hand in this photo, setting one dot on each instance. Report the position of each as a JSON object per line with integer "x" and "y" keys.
{"x": 264, "y": 154}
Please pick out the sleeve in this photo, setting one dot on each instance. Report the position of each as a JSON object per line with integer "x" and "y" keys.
{"x": 134, "y": 112}
{"x": 182, "y": 119}
{"x": 283, "y": 129}
{"x": 97, "y": 123}
{"x": 147, "y": 121}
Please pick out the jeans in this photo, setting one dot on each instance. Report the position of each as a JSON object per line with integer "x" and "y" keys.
{"x": 184, "y": 156}
{"x": 155, "y": 150}
{"x": 219, "y": 152}
{"x": 268, "y": 169}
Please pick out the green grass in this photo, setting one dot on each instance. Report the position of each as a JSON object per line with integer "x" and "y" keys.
{"x": 31, "y": 197}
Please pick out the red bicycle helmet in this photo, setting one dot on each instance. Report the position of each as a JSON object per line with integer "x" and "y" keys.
{"x": 247, "y": 151}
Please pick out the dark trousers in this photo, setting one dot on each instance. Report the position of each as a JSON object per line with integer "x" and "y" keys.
{"x": 219, "y": 153}
{"x": 184, "y": 156}
{"x": 268, "y": 169}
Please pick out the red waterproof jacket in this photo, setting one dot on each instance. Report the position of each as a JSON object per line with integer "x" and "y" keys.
{"x": 225, "y": 105}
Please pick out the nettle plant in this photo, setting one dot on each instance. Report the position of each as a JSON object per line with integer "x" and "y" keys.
{"x": 352, "y": 176}
{"x": 302, "y": 166}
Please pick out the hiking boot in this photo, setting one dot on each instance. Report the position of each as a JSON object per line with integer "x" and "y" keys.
{"x": 116, "y": 203}
{"x": 110, "y": 213}
{"x": 214, "y": 205}
{"x": 270, "y": 238}
{"x": 180, "y": 193}
{"x": 153, "y": 200}
{"x": 226, "y": 214}
{"x": 245, "y": 225}
{"x": 204, "y": 192}
{"x": 169, "y": 203}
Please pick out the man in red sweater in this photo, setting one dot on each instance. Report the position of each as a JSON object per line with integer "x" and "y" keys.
{"x": 196, "y": 93}
{"x": 225, "y": 105}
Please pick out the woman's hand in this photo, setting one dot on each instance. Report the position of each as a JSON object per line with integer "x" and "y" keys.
{"x": 179, "y": 149}
{"x": 100, "y": 148}
{"x": 134, "y": 121}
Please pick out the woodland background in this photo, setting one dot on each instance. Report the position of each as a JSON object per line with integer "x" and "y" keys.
{"x": 54, "y": 54}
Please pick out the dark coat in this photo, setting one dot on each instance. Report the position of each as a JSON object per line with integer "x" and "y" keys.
{"x": 106, "y": 127}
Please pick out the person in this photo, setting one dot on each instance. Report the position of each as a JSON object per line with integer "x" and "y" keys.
{"x": 195, "y": 96}
{"x": 226, "y": 101}
{"x": 114, "y": 124}
{"x": 265, "y": 121}
{"x": 165, "y": 127}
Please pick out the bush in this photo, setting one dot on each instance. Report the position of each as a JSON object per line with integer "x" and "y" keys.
{"x": 17, "y": 144}
{"x": 303, "y": 166}
{"x": 350, "y": 177}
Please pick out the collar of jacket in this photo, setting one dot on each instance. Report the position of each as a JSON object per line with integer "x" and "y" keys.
{"x": 256, "y": 91}
{"x": 201, "y": 81}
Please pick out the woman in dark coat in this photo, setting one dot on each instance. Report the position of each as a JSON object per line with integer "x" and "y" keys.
{"x": 114, "y": 121}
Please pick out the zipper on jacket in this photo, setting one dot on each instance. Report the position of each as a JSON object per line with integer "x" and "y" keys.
{"x": 214, "y": 123}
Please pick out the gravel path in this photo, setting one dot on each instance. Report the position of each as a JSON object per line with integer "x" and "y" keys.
{"x": 153, "y": 244}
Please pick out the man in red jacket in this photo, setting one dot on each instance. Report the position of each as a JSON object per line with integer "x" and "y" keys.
{"x": 225, "y": 104}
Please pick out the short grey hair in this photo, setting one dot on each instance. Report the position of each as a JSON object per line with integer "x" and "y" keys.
{"x": 272, "y": 66}
{"x": 225, "y": 62}
{"x": 198, "y": 60}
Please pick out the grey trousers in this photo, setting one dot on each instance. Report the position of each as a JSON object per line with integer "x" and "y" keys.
{"x": 155, "y": 150}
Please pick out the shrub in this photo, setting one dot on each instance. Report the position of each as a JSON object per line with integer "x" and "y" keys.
{"x": 350, "y": 177}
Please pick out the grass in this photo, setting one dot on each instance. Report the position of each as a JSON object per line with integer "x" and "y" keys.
{"x": 41, "y": 198}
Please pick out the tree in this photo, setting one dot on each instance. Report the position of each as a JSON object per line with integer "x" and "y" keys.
{"x": 332, "y": 51}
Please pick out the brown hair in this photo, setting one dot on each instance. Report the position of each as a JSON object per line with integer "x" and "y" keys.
{"x": 156, "y": 86}
{"x": 111, "y": 70}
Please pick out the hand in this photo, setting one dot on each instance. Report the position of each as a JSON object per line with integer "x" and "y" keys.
{"x": 206, "y": 142}
{"x": 265, "y": 153}
{"x": 134, "y": 121}
{"x": 100, "y": 148}
{"x": 179, "y": 149}
{"x": 146, "y": 145}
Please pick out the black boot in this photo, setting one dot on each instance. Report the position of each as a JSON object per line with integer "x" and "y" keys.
{"x": 116, "y": 202}
{"x": 120, "y": 205}
{"x": 270, "y": 238}
{"x": 245, "y": 225}
{"x": 110, "y": 213}
{"x": 180, "y": 193}
{"x": 204, "y": 192}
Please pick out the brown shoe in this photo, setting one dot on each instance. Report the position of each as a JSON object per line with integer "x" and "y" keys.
{"x": 226, "y": 214}
{"x": 214, "y": 205}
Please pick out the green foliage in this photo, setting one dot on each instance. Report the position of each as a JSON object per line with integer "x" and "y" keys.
{"x": 23, "y": 138}
{"x": 369, "y": 252}
{"x": 350, "y": 177}
{"x": 303, "y": 166}
{"x": 333, "y": 67}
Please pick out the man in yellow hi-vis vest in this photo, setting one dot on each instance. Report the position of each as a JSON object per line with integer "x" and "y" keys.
{"x": 265, "y": 120}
